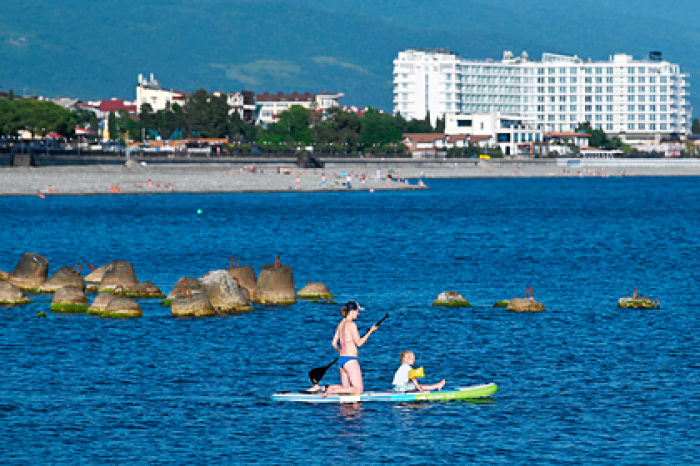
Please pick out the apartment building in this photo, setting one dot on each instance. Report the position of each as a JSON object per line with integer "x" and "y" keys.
{"x": 635, "y": 99}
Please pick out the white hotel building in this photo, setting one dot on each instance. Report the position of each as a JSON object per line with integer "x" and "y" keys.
{"x": 638, "y": 99}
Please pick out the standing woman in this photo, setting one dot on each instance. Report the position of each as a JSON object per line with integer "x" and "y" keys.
{"x": 346, "y": 341}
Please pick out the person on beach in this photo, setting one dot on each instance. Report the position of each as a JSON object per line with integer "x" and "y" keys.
{"x": 403, "y": 381}
{"x": 323, "y": 181}
{"x": 348, "y": 181}
{"x": 346, "y": 341}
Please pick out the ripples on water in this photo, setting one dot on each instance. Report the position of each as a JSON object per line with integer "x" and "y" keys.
{"x": 581, "y": 382}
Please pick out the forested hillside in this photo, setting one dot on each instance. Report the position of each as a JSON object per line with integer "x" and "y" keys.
{"x": 96, "y": 49}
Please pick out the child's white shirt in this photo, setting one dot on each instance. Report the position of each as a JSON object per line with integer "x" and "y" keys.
{"x": 401, "y": 377}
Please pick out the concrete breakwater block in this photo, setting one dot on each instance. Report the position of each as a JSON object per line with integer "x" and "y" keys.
{"x": 65, "y": 276}
{"x": 192, "y": 283}
{"x": 275, "y": 285}
{"x": 526, "y": 304}
{"x": 191, "y": 305}
{"x": 224, "y": 293}
{"x": 121, "y": 308}
{"x": 638, "y": 302}
{"x": 99, "y": 305}
{"x": 10, "y": 294}
{"x": 451, "y": 299}
{"x": 70, "y": 300}
{"x": 96, "y": 274}
{"x": 245, "y": 276}
{"x": 315, "y": 291}
{"x": 145, "y": 289}
{"x": 118, "y": 273}
{"x": 30, "y": 272}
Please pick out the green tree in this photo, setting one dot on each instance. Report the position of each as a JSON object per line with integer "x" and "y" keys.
{"x": 112, "y": 126}
{"x": 94, "y": 123}
{"x": 696, "y": 126}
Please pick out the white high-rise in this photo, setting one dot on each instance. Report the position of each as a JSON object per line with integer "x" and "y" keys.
{"x": 639, "y": 98}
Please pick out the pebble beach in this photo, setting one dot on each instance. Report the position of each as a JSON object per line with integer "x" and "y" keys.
{"x": 220, "y": 178}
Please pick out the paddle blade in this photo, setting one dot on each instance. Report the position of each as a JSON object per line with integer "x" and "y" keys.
{"x": 317, "y": 374}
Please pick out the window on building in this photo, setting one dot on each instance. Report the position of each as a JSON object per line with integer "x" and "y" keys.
{"x": 609, "y": 117}
{"x": 588, "y": 99}
{"x": 572, "y": 108}
{"x": 662, "y": 98}
{"x": 630, "y": 90}
{"x": 573, "y": 70}
{"x": 652, "y": 117}
{"x": 562, "y": 98}
{"x": 662, "y": 126}
{"x": 652, "y": 108}
{"x": 573, "y": 98}
{"x": 630, "y": 126}
{"x": 640, "y": 108}
{"x": 608, "y": 108}
{"x": 630, "y": 117}
{"x": 630, "y": 80}
{"x": 640, "y": 79}
{"x": 641, "y": 126}
{"x": 562, "y": 117}
{"x": 552, "y": 80}
{"x": 540, "y": 70}
{"x": 551, "y": 70}
{"x": 562, "y": 80}
{"x": 588, "y": 118}
{"x": 630, "y": 70}
{"x": 589, "y": 70}
{"x": 609, "y": 98}
{"x": 608, "y": 127}
{"x": 572, "y": 117}
{"x": 640, "y": 98}
{"x": 588, "y": 108}
{"x": 640, "y": 117}
{"x": 652, "y": 79}
{"x": 641, "y": 89}
{"x": 598, "y": 108}
{"x": 662, "y": 117}
{"x": 572, "y": 90}
{"x": 630, "y": 98}
{"x": 662, "y": 108}
{"x": 448, "y": 76}
{"x": 588, "y": 80}
{"x": 662, "y": 89}
{"x": 598, "y": 90}
{"x": 652, "y": 126}
{"x": 641, "y": 70}
{"x": 599, "y": 118}
{"x": 609, "y": 89}
{"x": 598, "y": 80}
{"x": 572, "y": 80}
{"x": 588, "y": 90}
{"x": 663, "y": 80}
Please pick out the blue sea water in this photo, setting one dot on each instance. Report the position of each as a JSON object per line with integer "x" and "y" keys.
{"x": 582, "y": 382}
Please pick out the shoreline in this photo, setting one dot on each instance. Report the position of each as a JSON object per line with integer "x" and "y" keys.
{"x": 95, "y": 180}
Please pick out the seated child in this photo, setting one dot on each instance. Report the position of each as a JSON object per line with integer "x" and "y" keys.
{"x": 402, "y": 381}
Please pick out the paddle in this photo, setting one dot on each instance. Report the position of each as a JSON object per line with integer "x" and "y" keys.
{"x": 317, "y": 374}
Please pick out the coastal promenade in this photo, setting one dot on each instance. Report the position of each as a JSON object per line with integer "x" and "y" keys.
{"x": 238, "y": 177}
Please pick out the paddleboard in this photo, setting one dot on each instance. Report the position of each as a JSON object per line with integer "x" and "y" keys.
{"x": 464, "y": 393}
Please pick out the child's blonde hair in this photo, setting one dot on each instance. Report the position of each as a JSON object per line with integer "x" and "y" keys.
{"x": 404, "y": 354}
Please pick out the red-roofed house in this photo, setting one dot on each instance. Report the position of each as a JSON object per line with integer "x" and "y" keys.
{"x": 115, "y": 105}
